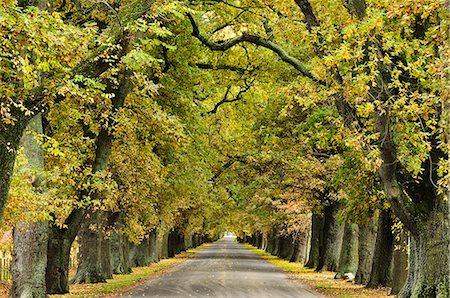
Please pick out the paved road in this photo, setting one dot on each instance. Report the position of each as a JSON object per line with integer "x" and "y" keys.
{"x": 224, "y": 269}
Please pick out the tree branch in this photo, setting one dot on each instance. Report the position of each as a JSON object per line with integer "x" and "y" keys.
{"x": 226, "y": 100}
{"x": 224, "y": 45}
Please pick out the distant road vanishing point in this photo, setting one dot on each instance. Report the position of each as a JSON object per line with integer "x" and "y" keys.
{"x": 224, "y": 269}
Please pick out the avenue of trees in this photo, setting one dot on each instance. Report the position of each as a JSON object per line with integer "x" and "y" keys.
{"x": 316, "y": 130}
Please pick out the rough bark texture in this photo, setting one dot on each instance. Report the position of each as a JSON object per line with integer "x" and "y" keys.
{"x": 384, "y": 248}
{"x": 29, "y": 260}
{"x": 120, "y": 254}
{"x": 58, "y": 255}
{"x": 30, "y": 238}
{"x": 153, "y": 246}
{"x": 90, "y": 253}
{"x": 106, "y": 257}
{"x": 399, "y": 262}
{"x": 366, "y": 248}
{"x": 348, "y": 260}
{"x": 316, "y": 241}
{"x": 332, "y": 240}
{"x": 428, "y": 274}
{"x": 140, "y": 254}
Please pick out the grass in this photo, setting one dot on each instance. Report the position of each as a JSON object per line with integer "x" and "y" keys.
{"x": 122, "y": 283}
{"x": 322, "y": 282}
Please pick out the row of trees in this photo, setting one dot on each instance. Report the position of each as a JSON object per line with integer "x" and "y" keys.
{"x": 299, "y": 124}
{"x": 346, "y": 128}
{"x": 107, "y": 147}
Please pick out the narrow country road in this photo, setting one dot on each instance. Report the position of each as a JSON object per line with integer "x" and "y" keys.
{"x": 224, "y": 269}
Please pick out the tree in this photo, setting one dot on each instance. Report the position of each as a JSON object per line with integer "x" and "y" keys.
{"x": 377, "y": 92}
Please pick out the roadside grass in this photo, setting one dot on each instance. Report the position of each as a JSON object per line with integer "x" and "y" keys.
{"x": 123, "y": 282}
{"x": 322, "y": 282}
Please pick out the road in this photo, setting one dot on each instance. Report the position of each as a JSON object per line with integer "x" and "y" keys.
{"x": 224, "y": 269}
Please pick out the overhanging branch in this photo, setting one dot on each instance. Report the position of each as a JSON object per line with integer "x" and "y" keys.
{"x": 224, "y": 45}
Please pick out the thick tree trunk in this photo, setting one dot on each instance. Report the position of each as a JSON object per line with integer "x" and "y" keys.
{"x": 332, "y": 240}
{"x": 428, "y": 275}
{"x": 58, "y": 254}
{"x": 270, "y": 242}
{"x": 384, "y": 248}
{"x": 120, "y": 254}
{"x": 366, "y": 248}
{"x": 90, "y": 253}
{"x": 30, "y": 238}
{"x": 140, "y": 254}
{"x": 163, "y": 241}
{"x": 106, "y": 258}
{"x": 316, "y": 241}
{"x": 264, "y": 242}
{"x": 9, "y": 144}
{"x": 348, "y": 260}
{"x": 295, "y": 249}
{"x": 29, "y": 260}
{"x": 153, "y": 246}
{"x": 304, "y": 245}
{"x": 399, "y": 262}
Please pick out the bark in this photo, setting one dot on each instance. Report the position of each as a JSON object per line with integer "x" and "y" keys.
{"x": 384, "y": 248}
{"x": 58, "y": 255}
{"x": 120, "y": 254}
{"x": 304, "y": 245}
{"x": 270, "y": 242}
{"x": 106, "y": 257}
{"x": 366, "y": 248}
{"x": 264, "y": 242}
{"x": 316, "y": 241}
{"x": 428, "y": 274}
{"x": 140, "y": 254}
{"x": 286, "y": 248}
{"x": 348, "y": 260}
{"x": 399, "y": 262}
{"x": 296, "y": 247}
{"x": 90, "y": 253}
{"x": 153, "y": 247}
{"x": 163, "y": 241}
{"x": 30, "y": 238}
{"x": 330, "y": 250}
{"x": 9, "y": 143}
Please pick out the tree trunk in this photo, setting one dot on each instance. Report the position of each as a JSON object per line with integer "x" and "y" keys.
{"x": 58, "y": 254}
{"x": 10, "y": 140}
{"x": 295, "y": 248}
{"x": 163, "y": 240}
{"x": 120, "y": 254}
{"x": 316, "y": 241}
{"x": 153, "y": 246}
{"x": 304, "y": 246}
{"x": 348, "y": 260}
{"x": 140, "y": 254}
{"x": 384, "y": 248}
{"x": 90, "y": 254}
{"x": 106, "y": 258}
{"x": 428, "y": 274}
{"x": 30, "y": 238}
{"x": 399, "y": 262}
{"x": 332, "y": 240}
{"x": 366, "y": 248}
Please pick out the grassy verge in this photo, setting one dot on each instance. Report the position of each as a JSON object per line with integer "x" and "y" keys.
{"x": 122, "y": 283}
{"x": 323, "y": 282}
